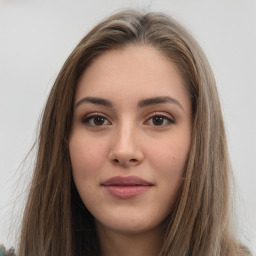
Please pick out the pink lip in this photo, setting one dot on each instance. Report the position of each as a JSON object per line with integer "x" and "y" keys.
{"x": 126, "y": 187}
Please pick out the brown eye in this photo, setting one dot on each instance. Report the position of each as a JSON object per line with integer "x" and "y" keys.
{"x": 96, "y": 120}
{"x": 159, "y": 120}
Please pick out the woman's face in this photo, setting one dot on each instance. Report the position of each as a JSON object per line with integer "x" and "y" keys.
{"x": 130, "y": 138}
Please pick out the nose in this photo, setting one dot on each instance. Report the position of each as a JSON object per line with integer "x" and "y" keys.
{"x": 126, "y": 148}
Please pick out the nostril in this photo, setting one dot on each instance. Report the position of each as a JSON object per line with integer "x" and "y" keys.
{"x": 133, "y": 160}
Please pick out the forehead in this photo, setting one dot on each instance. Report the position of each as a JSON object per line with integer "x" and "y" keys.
{"x": 131, "y": 72}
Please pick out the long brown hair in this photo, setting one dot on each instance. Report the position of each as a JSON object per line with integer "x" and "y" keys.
{"x": 56, "y": 222}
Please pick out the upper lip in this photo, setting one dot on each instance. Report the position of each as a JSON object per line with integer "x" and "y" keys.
{"x": 126, "y": 181}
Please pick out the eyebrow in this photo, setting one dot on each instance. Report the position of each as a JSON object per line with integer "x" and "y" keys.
{"x": 159, "y": 100}
{"x": 95, "y": 100}
{"x": 142, "y": 103}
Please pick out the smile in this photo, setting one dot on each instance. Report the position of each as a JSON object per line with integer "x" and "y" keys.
{"x": 126, "y": 187}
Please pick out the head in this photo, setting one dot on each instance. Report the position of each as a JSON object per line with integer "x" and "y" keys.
{"x": 198, "y": 214}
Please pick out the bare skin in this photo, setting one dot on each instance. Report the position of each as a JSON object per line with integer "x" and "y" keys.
{"x": 132, "y": 124}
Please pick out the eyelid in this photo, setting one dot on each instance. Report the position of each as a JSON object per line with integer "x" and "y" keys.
{"x": 86, "y": 118}
{"x": 168, "y": 116}
{"x": 164, "y": 114}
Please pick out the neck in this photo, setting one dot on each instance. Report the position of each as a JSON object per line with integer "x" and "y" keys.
{"x": 114, "y": 243}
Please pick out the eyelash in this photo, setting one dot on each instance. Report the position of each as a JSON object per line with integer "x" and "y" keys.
{"x": 86, "y": 120}
{"x": 161, "y": 115}
{"x": 168, "y": 121}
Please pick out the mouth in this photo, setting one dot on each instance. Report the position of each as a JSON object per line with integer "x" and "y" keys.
{"x": 126, "y": 187}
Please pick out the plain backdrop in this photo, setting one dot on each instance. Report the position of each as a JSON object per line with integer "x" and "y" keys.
{"x": 36, "y": 36}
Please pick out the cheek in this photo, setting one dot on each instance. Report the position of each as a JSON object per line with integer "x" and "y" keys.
{"x": 86, "y": 156}
{"x": 170, "y": 156}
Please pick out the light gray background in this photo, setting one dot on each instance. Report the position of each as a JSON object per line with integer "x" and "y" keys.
{"x": 36, "y": 36}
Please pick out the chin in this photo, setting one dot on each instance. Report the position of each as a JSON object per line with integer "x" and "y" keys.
{"x": 129, "y": 225}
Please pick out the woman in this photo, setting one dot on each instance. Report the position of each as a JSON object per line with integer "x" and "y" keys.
{"x": 132, "y": 156}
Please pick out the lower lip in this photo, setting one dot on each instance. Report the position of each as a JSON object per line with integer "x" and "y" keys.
{"x": 126, "y": 192}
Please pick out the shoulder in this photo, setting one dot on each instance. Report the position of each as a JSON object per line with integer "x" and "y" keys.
{"x": 5, "y": 252}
